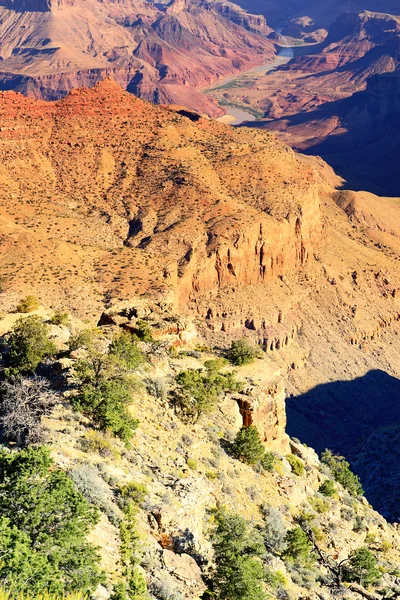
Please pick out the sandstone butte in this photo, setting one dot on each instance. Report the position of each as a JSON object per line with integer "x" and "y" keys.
{"x": 107, "y": 201}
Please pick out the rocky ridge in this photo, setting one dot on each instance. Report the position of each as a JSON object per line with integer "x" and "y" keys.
{"x": 161, "y": 54}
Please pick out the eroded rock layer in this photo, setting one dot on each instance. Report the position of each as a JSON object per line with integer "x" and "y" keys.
{"x": 160, "y": 52}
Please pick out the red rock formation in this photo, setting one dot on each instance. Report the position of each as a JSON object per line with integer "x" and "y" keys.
{"x": 162, "y": 54}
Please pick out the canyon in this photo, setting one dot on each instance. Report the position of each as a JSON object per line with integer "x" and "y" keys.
{"x": 106, "y": 198}
{"x": 162, "y": 52}
{"x": 337, "y": 99}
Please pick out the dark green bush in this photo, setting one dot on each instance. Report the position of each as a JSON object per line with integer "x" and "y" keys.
{"x": 242, "y": 353}
{"x": 327, "y": 488}
{"x": 341, "y": 472}
{"x": 268, "y": 461}
{"x": 133, "y": 585}
{"x": 126, "y": 352}
{"x": 238, "y": 550}
{"x": 361, "y": 568}
{"x": 44, "y": 522}
{"x": 106, "y": 404}
{"x": 29, "y": 344}
{"x": 298, "y": 547}
{"x": 106, "y": 384}
{"x": 247, "y": 445}
{"x": 198, "y": 390}
{"x": 143, "y": 331}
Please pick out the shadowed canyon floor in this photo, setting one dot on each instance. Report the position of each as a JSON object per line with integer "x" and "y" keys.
{"x": 359, "y": 419}
{"x": 105, "y": 197}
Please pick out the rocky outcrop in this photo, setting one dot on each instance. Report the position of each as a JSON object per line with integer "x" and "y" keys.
{"x": 359, "y": 41}
{"x": 265, "y": 408}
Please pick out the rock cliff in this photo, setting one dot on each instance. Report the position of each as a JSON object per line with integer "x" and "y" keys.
{"x": 49, "y": 47}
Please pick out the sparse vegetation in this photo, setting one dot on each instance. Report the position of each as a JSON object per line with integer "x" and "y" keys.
{"x": 59, "y": 318}
{"x": 340, "y": 469}
{"x": 198, "y": 390}
{"x": 274, "y": 530}
{"x": 132, "y": 585}
{"x": 268, "y": 461}
{"x": 296, "y": 463}
{"x": 28, "y": 304}
{"x": 23, "y": 404}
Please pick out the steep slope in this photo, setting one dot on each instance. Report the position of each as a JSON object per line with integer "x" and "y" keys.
{"x": 161, "y": 54}
{"x": 338, "y": 100}
{"x": 105, "y": 198}
{"x": 359, "y": 136}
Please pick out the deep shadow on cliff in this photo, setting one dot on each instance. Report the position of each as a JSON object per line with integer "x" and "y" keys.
{"x": 359, "y": 419}
{"x": 353, "y": 136}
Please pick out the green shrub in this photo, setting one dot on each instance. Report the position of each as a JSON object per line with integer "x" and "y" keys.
{"x": 247, "y": 445}
{"x": 59, "y": 318}
{"x": 106, "y": 404}
{"x": 143, "y": 331}
{"x": 238, "y": 550}
{"x": 275, "y": 579}
{"x": 125, "y": 351}
{"x": 242, "y": 353}
{"x": 99, "y": 442}
{"x": 199, "y": 389}
{"x": 134, "y": 491}
{"x": 341, "y": 472}
{"x": 86, "y": 338}
{"x": 359, "y": 525}
{"x": 268, "y": 461}
{"x": 320, "y": 505}
{"x": 28, "y": 304}
{"x": 106, "y": 384}
{"x": 192, "y": 464}
{"x": 29, "y": 344}
{"x": 327, "y": 488}
{"x": 361, "y": 568}
{"x": 133, "y": 585}
{"x": 296, "y": 463}
{"x": 298, "y": 547}
{"x": 44, "y": 522}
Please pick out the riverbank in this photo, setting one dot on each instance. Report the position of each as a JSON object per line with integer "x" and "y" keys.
{"x": 237, "y": 114}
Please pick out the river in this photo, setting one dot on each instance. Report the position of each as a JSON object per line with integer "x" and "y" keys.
{"x": 234, "y": 115}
